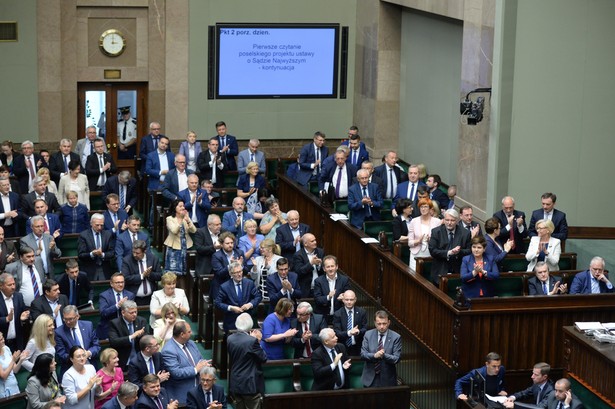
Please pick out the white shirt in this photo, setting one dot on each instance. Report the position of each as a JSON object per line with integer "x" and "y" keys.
{"x": 164, "y": 164}
{"x": 26, "y": 289}
{"x": 6, "y": 203}
{"x": 182, "y": 180}
{"x": 8, "y": 301}
{"x": 343, "y": 181}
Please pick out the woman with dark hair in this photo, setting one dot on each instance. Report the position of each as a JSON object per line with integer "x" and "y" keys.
{"x": 74, "y": 181}
{"x": 401, "y": 222}
{"x": 178, "y": 241}
{"x": 478, "y": 272}
{"x": 272, "y": 219}
{"x": 277, "y": 331}
{"x": 495, "y": 250}
{"x": 43, "y": 386}
{"x": 80, "y": 382}
{"x": 8, "y": 155}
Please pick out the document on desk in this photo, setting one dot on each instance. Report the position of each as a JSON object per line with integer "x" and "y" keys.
{"x": 338, "y": 216}
{"x": 499, "y": 399}
{"x": 587, "y": 326}
{"x": 369, "y": 240}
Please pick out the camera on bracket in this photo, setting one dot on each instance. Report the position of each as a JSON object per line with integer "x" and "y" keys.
{"x": 473, "y": 109}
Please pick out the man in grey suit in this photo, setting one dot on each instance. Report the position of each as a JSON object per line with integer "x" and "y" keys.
{"x": 43, "y": 243}
{"x": 252, "y": 154}
{"x": 381, "y": 351}
{"x": 28, "y": 273}
{"x": 562, "y": 397}
{"x": 84, "y": 147}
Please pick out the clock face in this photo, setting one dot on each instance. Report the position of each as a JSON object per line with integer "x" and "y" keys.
{"x": 112, "y": 43}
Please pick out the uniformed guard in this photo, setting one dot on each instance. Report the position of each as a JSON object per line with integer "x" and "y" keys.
{"x": 127, "y": 134}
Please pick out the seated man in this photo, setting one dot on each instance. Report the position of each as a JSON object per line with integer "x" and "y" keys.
{"x": 236, "y": 296}
{"x": 562, "y": 397}
{"x": 492, "y": 372}
{"x": 75, "y": 285}
{"x": 142, "y": 272}
{"x": 288, "y": 236}
{"x": 207, "y": 394}
{"x": 364, "y": 200}
{"x": 544, "y": 284}
{"x": 592, "y": 281}
{"x": 282, "y": 285}
{"x": 541, "y": 387}
{"x": 350, "y": 324}
{"x": 308, "y": 326}
{"x": 126, "y": 331}
{"x": 127, "y": 395}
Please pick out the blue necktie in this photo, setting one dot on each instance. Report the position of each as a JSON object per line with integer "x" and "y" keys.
{"x": 348, "y": 328}
{"x": 151, "y": 366}
{"x": 239, "y": 293}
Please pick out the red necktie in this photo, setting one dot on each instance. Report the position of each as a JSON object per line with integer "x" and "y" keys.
{"x": 308, "y": 347}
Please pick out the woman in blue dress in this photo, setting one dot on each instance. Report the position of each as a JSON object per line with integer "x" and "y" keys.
{"x": 277, "y": 331}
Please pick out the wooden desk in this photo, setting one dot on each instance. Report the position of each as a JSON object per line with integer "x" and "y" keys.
{"x": 591, "y": 363}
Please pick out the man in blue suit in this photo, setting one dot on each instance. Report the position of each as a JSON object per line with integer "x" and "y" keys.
{"x": 233, "y": 220}
{"x": 409, "y": 188}
{"x": 20, "y": 313}
{"x": 183, "y": 360}
{"x": 541, "y": 387}
{"x": 548, "y": 212}
{"x": 288, "y": 236}
{"x": 115, "y": 217}
{"x": 147, "y": 361}
{"x": 149, "y": 143}
{"x": 127, "y": 395}
{"x": 492, "y": 372}
{"x": 123, "y": 243}
{"x": 284, "y": 284}
{"x": 196, "y": 201}
{"x": 358, "y": 153}
{"x": 390, "y": 174}
{"x": 176, "y": 180}
{"x": 364, "y": 200}
{"x": 221, "y": 260}
{"x": 207, "y": 395}
{"x": 75, "y": 332}
{"x": 310, "y": 159}
{"x": 337, "y": 175}
{"x": 153, "y": 396}
{"x": 9, "y": 222}
{"x": 158, "y": 163}
{"x": 252, "y": 154}
{"x": 592, "y": 281}
{"x": 51, "y": 220}
{"x": 110, "y": 302}
{"x": 236, "y": 296}
{"x": 228, "y": 145}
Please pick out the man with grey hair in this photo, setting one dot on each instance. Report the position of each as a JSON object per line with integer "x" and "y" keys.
{"x": 247, "y": 384}
{"x": 39, "y": 186}
{"x": 308, "y": 326}
{"x": 252, "y": 154}
{"x": 28, "y": 274}
{"x": 543, "y": 283}
{"x": 126, "y": 331}
{"x": 513, "y": 225}
{"x": 85, "y": 147}
{"x": 330, "y": 363}
{"x": 10, "y": 211}
{"x": 126, "y": 396}
{"x": 43, "y": 243}
{"x": 206, "y": 244}
{"x": 99, "y": 166}
{"x": 207, "y": 395}
{"x": 592, "y": 281}
{"x": 58, "y": 162}
{"x": 96, "y": 248}
{"x": 364, "y": 200}
{"x": 236, "y": 296}
{"x": 448, "y": 245}
{"x": 176, "y": 180}
{"x": 125, "y": 187}
{"x": 26, "y": 165}
{"x": 75, "y": 332}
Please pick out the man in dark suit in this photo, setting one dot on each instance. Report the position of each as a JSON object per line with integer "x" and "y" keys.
{"x": 330, "y": 363}
{"x": 221, "y": 260}
{"x": 562, "y": 396}
{"x": 153, "y": 396}
{"x": 99, "y": 166}
{"x": 115, "y": 216}
{"x": 85, "y": 146}
{"x": 207, "y": 395}
{"x": 448, "y": 245}
{"x": 358, "y": 152}
{"x": 513, "y": 225}
{"x": 233, "y": 220}
{"x": 158, "y": 163}
{"x": 493, "y": 371}
{"x": 284, "y": 284}
{"x": 176, "y": 180}
{"x": 435, "y": 193}
{"x": 124, "y": 241}
{"x": 149, "y": 143}
{"x": 381, "y": 350}
{"x": 206, "y": 244}
{"x": 409, "y": 188}
{"x": 26, "y": 271}
{"x": 142, "y": 272}
{"x": 96, "y": 249}
{"x": 39, "y": 192}
{"x": 13, "y": 313}
{"x": 147, "y": 361}
{"x": 58, "y": 162}
{"x": 9, "y": 209}
{"x": 26, "y": 165}
{"x": 390, "y": 174}
{"x": 75, "y": 332}
{"x": 7, "y": 251}
{"x": 126, "y": 331}
{"x": 75, "y": 285}
{"x": 127, "y": 395}
{"x": 308, "y": 326}
{"x": 196, "y": 201}
{"x": 51, "y": 221}
{"x": 310, "y": 159}
{"x": 125, "y": 187}
{"x": 236, "y": 296}
{"x": 110, "y": 302}
{"x": 541, "y": 387}
{"x": 337, "y": 176}
{"x": 592, "y": 281}
{"x": 288, "y": 236}
{"x": 228, "y": 145}
{"x": 246, "y": 357}
{"x": 549, "y": 212}
{"x": 350, "y": 324}
{"x": 466, "y": 213}
{"x": 307, "y": 263}
{"x": 329, "y": 289}
{"x": 212, "y": 164}
{"x": 44, "y": 244}
{"x": 51, "y": 303}
{"x": 543, "y": 283}
{"x": 364, "y": 200}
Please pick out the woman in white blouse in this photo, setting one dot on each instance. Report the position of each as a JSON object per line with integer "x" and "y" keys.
{"x": 168, "y": 294}
{"x": 76, "y": 181}
{"x": 42, "y": 340}
{"x": 544, "y": 247}
{"x": 419, "y": 231}
{"x": 265, "y": 265}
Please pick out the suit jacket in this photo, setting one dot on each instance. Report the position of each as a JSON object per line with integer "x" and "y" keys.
{"x": 183, "y": 377}
{"x": 552, "y": 259}
{"x": 31, "y": 241}
{"x": 403, "y": 190}
{"x": 132, "y": 273}
{"x": 227, "y": 296}
{"x": 85, "y": 292}
{"x": 18, "y": 307}
{"x": 41, "y": 306}
{"x": 27, "y": 203}
{"x": 184, "y": 149}
{"x": 284, "y": 237}
{"x": 243, "y": 158}
{"x": 7, "y": 248}
{"x": 535, "y": 285}
{"x": 382, "y": 172}
{"x": 358, "y": 211}
{"x": 439, "y": 246}
{"x": 321, "y": 290}
{"x": 245, "y": 363}
{"x": 440, "y": 197}
{"x": 65, "y": 341}
{"x": 119, "y": 338}
{"x": 558, "y": 219}
{"x": 274, "y": 289}
{"x": 400, "y": 227}
{"x": 196, "y": 397}
{"x": 324, "y": 376}
{"x": 109, "y": 225}
{"x": 57, "y": 165}
{"x": 315, "y": 325}
{"x": 76, "y": 224}
{"x": 472, "y": 225}
{"x": 53, "y": 222}
{"x": 472, "y": 285}
{"x": 552, "y": 402}
{"x": 533, "y": 392}
{"x": 233, "y": 150}
{"x": 86, "y": 244}
{"x": 505, "y": 234}
{"x": 123, "y": 245}
{"x": 92, "y": 168}
{"x": 108, "y": 310}
{"x": 219, "y": 264}
{"x": 204, "y": 246}
{"x": 138, "y": 368}
{"x": 152, "y": 168}
{"x": 581, "y": 284}
{"x": 147, "y": 146}
{"x": 305, "y": 269}
{"x": 340, "y": 326}
{"x": 494, "y": 251}
{"x": 327, "y": 174}
{"x": 21, "y": 171}
{"x": 462, "y": 384}
{"x": 146, "y": 402}
{"x": 202, "y": 209}
{"x": 13, "y": 229}
{"x": 362, "y": 155}
{"x": 307, "y": 156}
{"x": 15, "y": 267}
{"x": 112, "y": 185}
{"x": 230, "y": 218}
{"x": 392, "y": 353}
{"x": 170, "y": 185}
{"x": 37, "y": 393}
{"x": 203, "y": 165}
{"x": 80, "y": 146}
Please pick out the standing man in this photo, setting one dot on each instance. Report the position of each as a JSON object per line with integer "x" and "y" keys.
{"x": 592, "y": 281}
{"x": 51, "y": 303}
{"x": 75, "y": 285}
{"x": 149, "y": 143}
{"x": 13, "y": 313}
{"x": 433, "y": 183}
{"x": 99, "y": 166}
{"x": 369, "y": 166}
{"x": 493, "y": 373}
{"x": 541, "y": 387}
{"x": 75, "y": 332}
{"x": 390, "y": 174}
{"x": 196, "y": 201}
{"x": 282, "y": 285}
{"x": 448, "y": 245}
{"x": 233, "y": 220}
{"x": 110, "y": 303}
{"x": 350, "y": 324}
{"x": 7, "y": 251}
{"x": 158, "y": 163}
{"x": 247, "y": 384}
{"x": 310, "y": 159}
{"x": 222, "y": 259}
{"x": 467, "y": 223}
{"x": 513, "y": 225}
{"x": 85, "y": 146}
{"x": 147, "y": 361}
{"x": 115, "y": 216}
{"x": 358, "y": 152}
{"x": 562, "y": 397}
{"x": 337, "y": 176}
{"x": 409, "y": 188}
{"x": 252, "y": 154}
{"x": 307, "y": 263}
{"x": 236, "y": 296}
{"x": 206, "y": 244}
{"x": 142, "y": 272}
{"x": 125, "y": 187}
{"x": 28, "y": 273}
{"x": 207, "y": 395}
{"x": 96, "y": 249}
{"x": 44, "y": 244}
{"x": 126, "y": 331}
{"x": 26, "y": 165}
{"x": 329, "y": 289}
{"x": 176, "y": 180}
{"x": 549, "y": 212}
{"x": 228, "y": 145}
{"x": 364, "y": 200}
{"x": 288, "y": 236}
{"x": 126, "y": 134}
{"x": 40, "y": 192}
{"x": 330, "y": 363}
{"x": 58, "y": 162}
{"x": 125, "y": 240}
{"x": 381, "y": 350}
{"x": 308, "y": 327}
{"x": 212, "y": 164}
{"x": 10, "y": 211}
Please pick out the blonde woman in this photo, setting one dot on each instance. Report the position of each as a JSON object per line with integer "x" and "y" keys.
{"x": 265, "y": 265}
{"x": 544, "y": 247}
{"x": 163, "y": 326}
{"x": 169, "y": 294}
{"x": 111, "y": 374}
{"x": 42, "y": 340}
{"x": 50, "y": 184}
{"x": 190, "y": 148}
{"x": 250, "y": 188}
